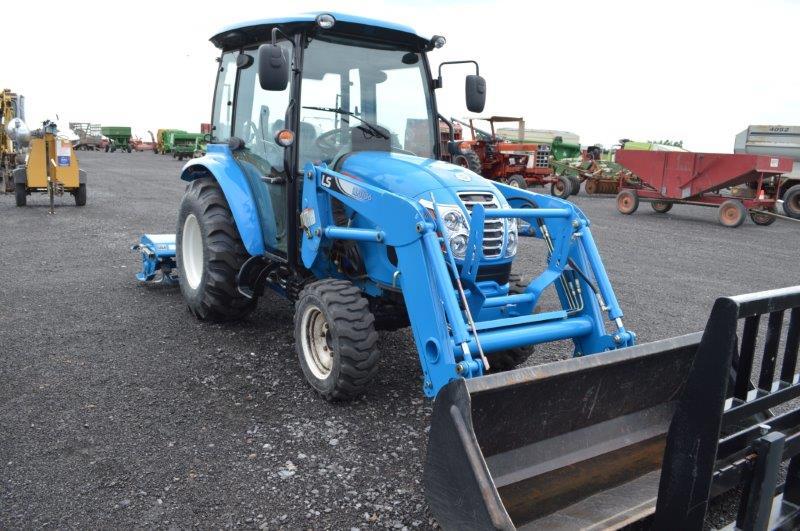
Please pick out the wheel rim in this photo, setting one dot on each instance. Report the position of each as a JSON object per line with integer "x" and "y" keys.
{"x": 192, "y": 251}
{"x": 625, "y": 203}
{"x": 730, "y": 214}
{"x": 513, "y": 183}
{"x": 316, "y": 339}
{"x": 462, "y": 161}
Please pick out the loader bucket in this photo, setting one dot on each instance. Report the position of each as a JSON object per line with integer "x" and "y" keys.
{"x": 643, "y": 434}
{"x": 524, "y": 447}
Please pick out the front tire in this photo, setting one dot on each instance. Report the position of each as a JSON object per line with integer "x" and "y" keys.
{"x": 335, "y": 339}
{"x": 562, "y": 187}
{"x": 210, "y": 253}
{"x": 627, "y": 202}
{"x": 732, "y": 213}
{"x": 80, "y": 195}
{"x": 21, "y": 194}
{"x": 576, "y": 184}
{"x": 518, "y": 181}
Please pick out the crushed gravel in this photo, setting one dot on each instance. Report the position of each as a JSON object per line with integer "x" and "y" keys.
{"x": 119, "y": 409}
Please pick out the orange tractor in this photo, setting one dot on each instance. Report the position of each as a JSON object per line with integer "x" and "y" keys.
{"x": 511, "y": 161}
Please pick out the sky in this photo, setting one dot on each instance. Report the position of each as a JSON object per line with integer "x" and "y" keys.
{"x": 698, "y": 71}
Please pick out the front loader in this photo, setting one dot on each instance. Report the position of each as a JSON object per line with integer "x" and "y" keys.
{"x": 323, "y": 183}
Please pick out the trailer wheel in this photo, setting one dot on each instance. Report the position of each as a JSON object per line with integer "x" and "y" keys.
{"x": 80, "y": 195}
{"x": 562, "y": 187}
{"x": 518, "y": 181}
{"x": 791, "y": 202}
{"x": 732, "y": 213}
{"x": 662, "y": 207}
{"x": 210, "y": 253}
{"x": 590, "y": 186}
{"x": 576, "y": 184}
{"x": 21, "y": 194}
{"x": 335, "y": 339}
{"x": 469, "y": 160}
{"x": 762, "y": 219}
{"x": 627, "y": 202}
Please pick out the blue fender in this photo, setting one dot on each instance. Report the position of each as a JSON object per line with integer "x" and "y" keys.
{"x": 218, "y": 162}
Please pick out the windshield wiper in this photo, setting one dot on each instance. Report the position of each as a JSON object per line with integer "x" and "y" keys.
{"x": 374, "y": 129}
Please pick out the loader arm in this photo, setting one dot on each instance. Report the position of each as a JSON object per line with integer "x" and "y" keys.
{"x": 450, "y": 335}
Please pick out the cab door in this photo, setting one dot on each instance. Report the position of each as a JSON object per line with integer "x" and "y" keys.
{"x": 257, "y": 116}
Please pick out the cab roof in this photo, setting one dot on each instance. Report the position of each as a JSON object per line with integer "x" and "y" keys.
{"x": 256, "y": 31}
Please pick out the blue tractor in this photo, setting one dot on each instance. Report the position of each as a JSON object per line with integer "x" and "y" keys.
{"x": 323, "y": 182}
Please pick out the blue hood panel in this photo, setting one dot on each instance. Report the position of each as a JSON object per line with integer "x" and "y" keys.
{"x": 410, "y": 176}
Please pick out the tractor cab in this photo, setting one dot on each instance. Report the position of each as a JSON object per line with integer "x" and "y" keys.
{"x": 321, "y": 88}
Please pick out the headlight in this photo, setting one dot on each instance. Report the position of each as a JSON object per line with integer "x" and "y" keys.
{"x": 458, "y": 244}
{"x": 454, "y": 220}
{"x": 513, "y": 238}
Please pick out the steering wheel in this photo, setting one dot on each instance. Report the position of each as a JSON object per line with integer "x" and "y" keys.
{"x": 253, "y": 137}
{"x": 330, "y": 142}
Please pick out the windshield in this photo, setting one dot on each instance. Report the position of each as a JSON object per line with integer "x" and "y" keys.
{"x": 365, "y": 98}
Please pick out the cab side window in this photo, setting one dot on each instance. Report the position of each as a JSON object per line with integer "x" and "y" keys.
{"x": 221, "y": 118}
{"x": 260, "y": 114}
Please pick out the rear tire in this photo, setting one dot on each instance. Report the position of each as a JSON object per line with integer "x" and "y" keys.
{"x": 791, "y": 202}
{"x": 335, "y": 339}
{"x": 764, "y": 220}
{"x": 21, "y": 194}
{"x": 518, "y": 181}
{"x": 627, "y": 202}
{"x": 732, "y": 213}
{"x": 209, "y": 254}
{"x": 469, "y": 160}
{"x": 662, "y": 207}
{"x": 80, "y": 195}
{"x": 561, "y": 188}
{"x": 576, "y": 184}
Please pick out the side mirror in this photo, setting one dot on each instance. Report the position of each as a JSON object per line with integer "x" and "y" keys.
{"x": 476, "y": 93}
{"x": 273, "y": 67}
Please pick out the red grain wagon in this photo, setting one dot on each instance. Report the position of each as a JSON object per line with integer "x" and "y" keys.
{"x": 704, "y": 179}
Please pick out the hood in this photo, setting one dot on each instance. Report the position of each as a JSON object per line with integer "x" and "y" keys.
{"x": 410, "y": 176}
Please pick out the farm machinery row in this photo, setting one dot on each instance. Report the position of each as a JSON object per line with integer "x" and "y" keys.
{"x": 359, "y": 222}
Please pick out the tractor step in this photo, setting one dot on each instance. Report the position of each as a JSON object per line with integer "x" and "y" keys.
{"x": 158, "y": 258}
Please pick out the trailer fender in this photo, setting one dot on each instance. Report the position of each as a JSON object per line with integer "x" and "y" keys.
{"x": 82, "y": 176}
{"x": 219, "y": 164}
{"x": 20, "y": 176}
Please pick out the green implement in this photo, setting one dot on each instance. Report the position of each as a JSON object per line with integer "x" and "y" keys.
{"x": 119, "y": 138}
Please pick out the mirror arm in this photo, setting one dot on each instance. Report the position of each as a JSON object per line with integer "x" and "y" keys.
{"x": 450, "y": 126}
{"x": 275, "y": 32}
{"x": 437, "y": 83}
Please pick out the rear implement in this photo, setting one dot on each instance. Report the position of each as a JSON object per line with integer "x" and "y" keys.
{"x": 644, "y": 434}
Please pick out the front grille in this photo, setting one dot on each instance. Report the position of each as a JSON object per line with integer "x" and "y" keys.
{"x": 492, "y": 227}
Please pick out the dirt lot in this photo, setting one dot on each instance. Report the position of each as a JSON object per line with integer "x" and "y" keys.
{"x": 119, "y": 409}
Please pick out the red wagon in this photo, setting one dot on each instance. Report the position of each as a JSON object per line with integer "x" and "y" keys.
{"x": 703, "y": 179}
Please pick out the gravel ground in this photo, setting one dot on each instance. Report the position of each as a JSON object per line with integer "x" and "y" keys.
{"x": 119, "y": 409}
